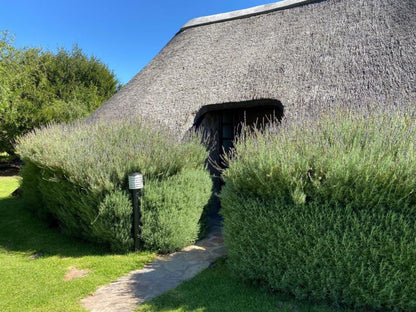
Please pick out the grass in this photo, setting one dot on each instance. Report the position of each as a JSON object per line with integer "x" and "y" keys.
{"x": 29, "y": 284}
{"x": 216, "y": 290}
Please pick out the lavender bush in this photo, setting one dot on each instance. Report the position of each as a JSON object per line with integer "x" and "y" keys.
{"x": 77, "y": 175}
{"x": 324, "y": 208}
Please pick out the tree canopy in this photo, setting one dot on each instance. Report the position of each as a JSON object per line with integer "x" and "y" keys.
{"x": 38, "y": 87}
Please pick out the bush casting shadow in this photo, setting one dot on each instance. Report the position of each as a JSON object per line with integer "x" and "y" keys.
{"x": 20, "y": 231}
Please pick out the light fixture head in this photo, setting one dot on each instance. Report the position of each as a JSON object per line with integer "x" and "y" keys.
{"x": 135, "y": 181}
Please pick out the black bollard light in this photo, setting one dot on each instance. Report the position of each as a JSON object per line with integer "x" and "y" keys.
{"x": 135, "y": 185}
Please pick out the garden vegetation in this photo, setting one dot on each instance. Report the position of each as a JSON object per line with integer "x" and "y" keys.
{"x": 38, "y": 87}
{"x": 35, "y": 261}
{"x": 324, "y": 208}
{"x": 76, "y": 176}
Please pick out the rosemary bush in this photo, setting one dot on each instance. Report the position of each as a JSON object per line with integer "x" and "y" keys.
{"x": 324, "y": 208}
{"x": 170, "y": 218}
{"x": 77, "y": 175}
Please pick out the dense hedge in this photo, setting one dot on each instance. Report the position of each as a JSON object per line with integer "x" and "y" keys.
{"x": 172, "y": 209}
{"x": 324, "y": 209}
{"x": 76, "y": 175}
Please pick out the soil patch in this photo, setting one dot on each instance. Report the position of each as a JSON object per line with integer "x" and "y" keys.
{"x": 36, "y": 255}
{"x": 74, "y": 273}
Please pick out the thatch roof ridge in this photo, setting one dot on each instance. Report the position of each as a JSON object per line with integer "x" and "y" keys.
{"x": 232, "y": 15}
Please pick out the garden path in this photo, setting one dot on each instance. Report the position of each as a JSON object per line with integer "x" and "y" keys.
{"x": 164, "y": 273}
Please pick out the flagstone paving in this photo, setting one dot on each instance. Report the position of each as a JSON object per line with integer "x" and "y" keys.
{"x": 164, "y": 273}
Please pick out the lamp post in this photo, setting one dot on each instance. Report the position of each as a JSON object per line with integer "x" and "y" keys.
{"x": 135, "y": 185}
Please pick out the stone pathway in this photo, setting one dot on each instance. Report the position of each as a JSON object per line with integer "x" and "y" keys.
{"x": 163, "y": 274}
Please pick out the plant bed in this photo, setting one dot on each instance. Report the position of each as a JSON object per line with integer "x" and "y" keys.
{"x": 324, "y": 208}
{"x": 76, "y": 175}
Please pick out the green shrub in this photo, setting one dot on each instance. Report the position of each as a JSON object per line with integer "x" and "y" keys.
{"x": 172, "y": 209}
{"x": 324, "y": 209}
{"x": 114, "y": 221}
{"x": 99, "y": 218}
{"x": 39, "y": 86}
{"x": 77, "y": 174}
{"x": 32, "y": 175}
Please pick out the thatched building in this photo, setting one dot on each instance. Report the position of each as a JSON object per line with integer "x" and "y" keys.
{"x": 281, "y": 58}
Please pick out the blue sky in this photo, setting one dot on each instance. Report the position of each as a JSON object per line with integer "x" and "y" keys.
{"x": 124, "y": 34}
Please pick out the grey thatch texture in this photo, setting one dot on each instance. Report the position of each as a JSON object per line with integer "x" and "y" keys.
{"x": 333, "y": 52}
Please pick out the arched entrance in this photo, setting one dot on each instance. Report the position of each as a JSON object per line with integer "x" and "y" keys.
{"x": 220, "y": 124}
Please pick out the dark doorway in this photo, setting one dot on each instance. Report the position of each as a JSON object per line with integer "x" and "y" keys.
{"x": 232, "y": 121}
{"x": 221, "y": 124}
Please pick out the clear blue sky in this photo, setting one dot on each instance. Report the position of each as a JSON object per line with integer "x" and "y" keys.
{"x": 124, "y": 34}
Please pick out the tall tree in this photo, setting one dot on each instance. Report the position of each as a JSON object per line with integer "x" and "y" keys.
{"x": 38, "y": 87}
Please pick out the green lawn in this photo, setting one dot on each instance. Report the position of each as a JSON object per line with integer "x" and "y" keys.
{"x": 29, "y": 284}
{"x": 215, "y": 290}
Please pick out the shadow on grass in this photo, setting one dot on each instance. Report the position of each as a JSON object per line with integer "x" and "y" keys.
{"x": 216, "y": 289}
{"x": 20, "y": 231}
{"x": 8, "y": 166}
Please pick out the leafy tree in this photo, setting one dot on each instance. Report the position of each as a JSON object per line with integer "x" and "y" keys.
{"x": 38, "y": 87}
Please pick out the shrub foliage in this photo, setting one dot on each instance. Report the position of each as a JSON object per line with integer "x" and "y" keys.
{"x": 324, "y": 208}
{"x": 172, "y": 209}
{"x": 38, "y": 86}
{"x": 77, "y": 175}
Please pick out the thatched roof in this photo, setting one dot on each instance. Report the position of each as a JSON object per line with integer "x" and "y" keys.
{"x": 316, "y": 53}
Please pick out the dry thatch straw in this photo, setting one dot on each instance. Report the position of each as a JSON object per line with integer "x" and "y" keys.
{"x": 309, "y": 57}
